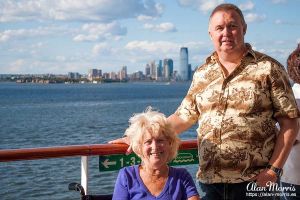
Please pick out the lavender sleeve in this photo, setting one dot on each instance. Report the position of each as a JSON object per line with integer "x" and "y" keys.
{"x": 120, "y": 190}
{"x": 187, "y": 184}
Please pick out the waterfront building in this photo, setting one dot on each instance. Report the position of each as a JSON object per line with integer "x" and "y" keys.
{"x": 94, "y": 74}
{"x": 184, "y": 64}
{"x": 123, "y": 73}
{"x": 147, "y": 71}
{"x": 153, "y": 70}
{"x": 160, "y": 69}
{"x": 136, "y": 76}
{"x": 113, "y": 76}
{"x": 106, "y": 76}
{"x": 168, "y": 68}
{"x": 74, "y": 75}
{"x": 190, "y": 72}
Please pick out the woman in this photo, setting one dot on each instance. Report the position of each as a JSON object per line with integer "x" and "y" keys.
{"x": 290, "y": 180}
{"x": 153, "y": 140}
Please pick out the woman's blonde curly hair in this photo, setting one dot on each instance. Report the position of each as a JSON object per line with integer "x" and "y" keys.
{"x": 155, "y": 123}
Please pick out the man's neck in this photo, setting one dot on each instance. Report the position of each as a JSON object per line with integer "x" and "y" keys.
{"x": 230, "y": 61}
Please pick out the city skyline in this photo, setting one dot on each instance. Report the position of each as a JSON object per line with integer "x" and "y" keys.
{"x": 39, "y": 37}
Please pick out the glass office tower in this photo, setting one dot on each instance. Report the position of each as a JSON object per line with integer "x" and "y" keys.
{"x": 168, "y": 68}
{"x": 184, "y": 64}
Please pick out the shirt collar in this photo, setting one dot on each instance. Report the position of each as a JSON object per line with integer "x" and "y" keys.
{"x": 213, "y": 58}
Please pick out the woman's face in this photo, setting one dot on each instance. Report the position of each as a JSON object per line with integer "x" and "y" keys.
{"x": 155, "y": 150}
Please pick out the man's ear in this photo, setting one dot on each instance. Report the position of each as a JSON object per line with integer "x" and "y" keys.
{"x": 209, "y": 35}
{"x": 245, "y": 29}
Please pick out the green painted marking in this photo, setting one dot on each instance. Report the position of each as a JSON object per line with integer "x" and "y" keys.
{"x": 186, "y": 157}
{"x": 118, "y": 161}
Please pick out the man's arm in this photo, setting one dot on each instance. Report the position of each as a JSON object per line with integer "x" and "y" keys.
{"x": 178, "y": 124}
{"x": 123, "y": 140}
{"x": 284, "y": 143}
{"x": 285, "y": 140}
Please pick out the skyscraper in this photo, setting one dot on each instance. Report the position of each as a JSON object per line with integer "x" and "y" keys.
{"x": 159, "y": 69}
{"x": 168, "y": 68}
{"x": 123, "y": 73}
{"x": 153, "y": 70}
{"x": 184, "y": 64}
{"x": 147, "y": 70}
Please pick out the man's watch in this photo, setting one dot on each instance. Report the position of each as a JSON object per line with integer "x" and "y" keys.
{"x": 278, "y": 171}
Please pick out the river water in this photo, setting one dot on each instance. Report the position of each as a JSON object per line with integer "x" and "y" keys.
{"x": 43, "y": 115}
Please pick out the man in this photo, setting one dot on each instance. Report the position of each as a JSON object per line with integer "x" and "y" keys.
{"x": 237, "y": 97}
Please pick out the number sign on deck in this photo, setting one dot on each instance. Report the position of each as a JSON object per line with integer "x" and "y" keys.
{"x": 116, "y": 162}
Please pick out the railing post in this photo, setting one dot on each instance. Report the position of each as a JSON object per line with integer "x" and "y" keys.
{"x": 84, "y": 173}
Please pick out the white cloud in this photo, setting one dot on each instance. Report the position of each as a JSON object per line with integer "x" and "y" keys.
{"x": 201, "y": 5}
{"x": 206, "y": 6}
{"x": 60, "y": 58}
{"x": 159, "y": 8}
{"x": 81, "y": 38}
{"x": 152, "y": 47}
{"x": 278, "y": 21}
{"x": 253, "y": 17}
{"x": 87, "y": 10}
{"x": 17, "y": 66}
{"x": 4, "y": 36}
{"x": 283, "y": 22}
{"x": 249, "y": 5}
{"x": 102, "y": 48}
{"x": 163, "y": 27}
{"x": 145, "y": 18}
{"x": 29, "y": 33}
{"x": 59, "y": 65}
{"x": 94, "y": 32}
{"x": 186, "y": 2}
{"x": 149, "y": 26}
{"x": 278, "y": 1}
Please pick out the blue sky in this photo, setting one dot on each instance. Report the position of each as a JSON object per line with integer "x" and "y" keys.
{"x": 61, "y": 36}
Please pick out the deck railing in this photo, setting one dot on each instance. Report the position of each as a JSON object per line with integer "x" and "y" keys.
{"x": 8, "y": 155}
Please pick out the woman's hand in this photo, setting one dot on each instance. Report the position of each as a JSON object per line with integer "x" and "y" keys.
{"x": 123, "y": 140}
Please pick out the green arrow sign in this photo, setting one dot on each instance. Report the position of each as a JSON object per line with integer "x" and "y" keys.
{"x": 117, "y": 161}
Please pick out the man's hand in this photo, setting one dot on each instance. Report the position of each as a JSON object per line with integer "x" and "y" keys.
{"x": 122, "y": 141}
{"x": 264, "y": 177}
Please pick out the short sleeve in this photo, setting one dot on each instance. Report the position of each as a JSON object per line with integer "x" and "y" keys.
{"x": 281, "y": 93}
{"x": 187, "y": 110}
{"x": 120, "y": 190}
{"x": 188, "y": 184}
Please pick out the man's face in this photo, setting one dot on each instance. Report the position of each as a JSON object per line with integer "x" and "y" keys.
{"x": 227, "y": 31}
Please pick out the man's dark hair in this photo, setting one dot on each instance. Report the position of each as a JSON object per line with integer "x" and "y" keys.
{"x": 226, "y": 7}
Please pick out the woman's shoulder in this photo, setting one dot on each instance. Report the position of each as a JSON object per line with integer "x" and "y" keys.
{"x": 179, "y": 171}
{"x": 130, "y": 170}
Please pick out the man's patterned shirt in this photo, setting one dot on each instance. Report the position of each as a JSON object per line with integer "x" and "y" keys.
{"x": 237, "y": 115}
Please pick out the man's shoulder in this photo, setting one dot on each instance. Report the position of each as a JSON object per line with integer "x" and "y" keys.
{"x": 207, "y": 65}
{"x": 264, "y": 58}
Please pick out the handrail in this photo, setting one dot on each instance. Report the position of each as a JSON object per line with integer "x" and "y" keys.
{"x": 7, "y": 155}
